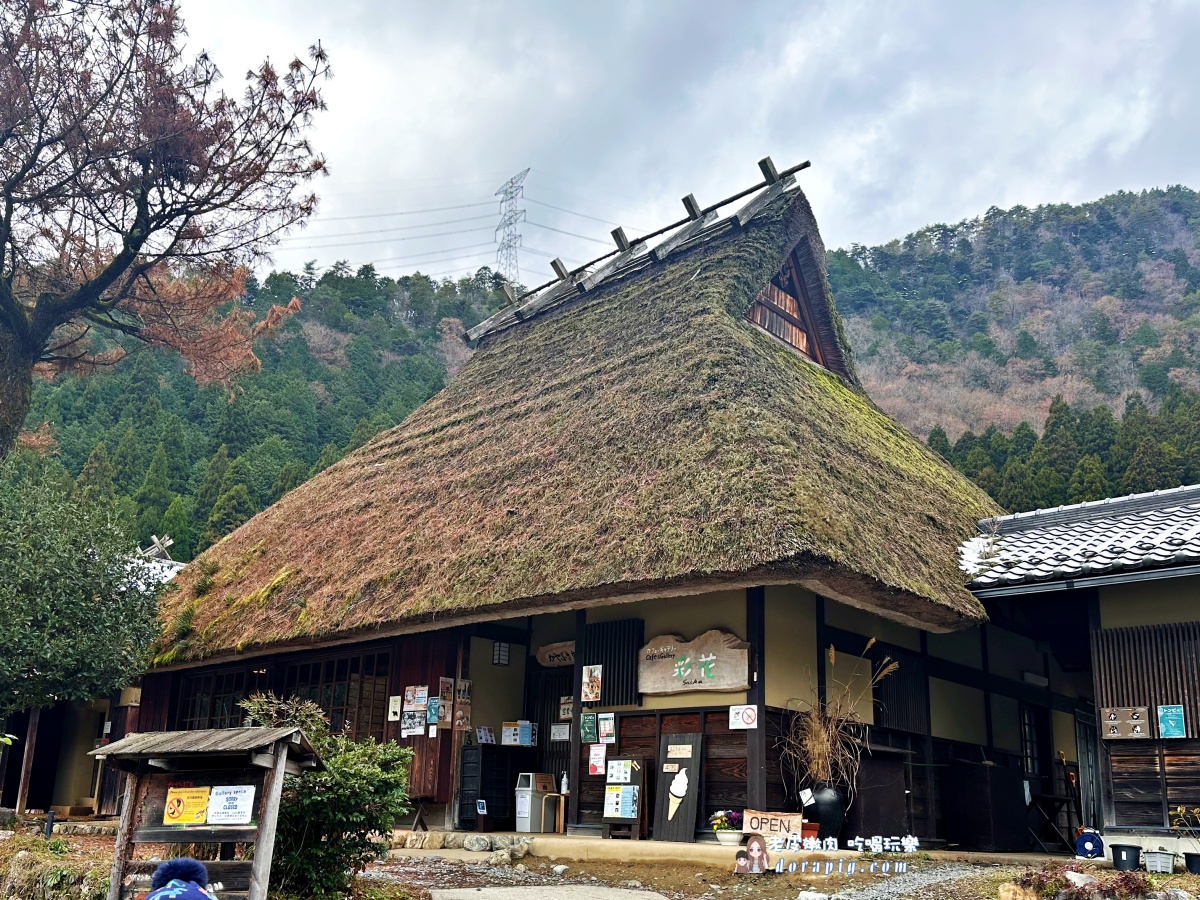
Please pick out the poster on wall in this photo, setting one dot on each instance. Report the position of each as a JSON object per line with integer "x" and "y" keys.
{"x": 445, "y": 700}
{"x": 462, "y": 717}
{"x": 590, "y": 689}
{"x": 525, "y": 733}
{"x": 607, "y": 723}
{"x": 566, "y": 709}
{"x": 1124, "y": 722}
{"x": 231, "y": 804}
{"x": 596, "y": 755}
{"x": 560, "y": 732}
{"x": 395, "y": 707}
{"x": 412, "y": 723}
{"x": 186, "y": 806}
{"x": 619, "y": 771}
{"x": 743, "y": 718}
{"x": 1170, "y": 722}
{"x": 462, "y": 691}
{"x": 431, "y": 713}
{"x": 588, "y": 732}
{"x": 485, "y": 735}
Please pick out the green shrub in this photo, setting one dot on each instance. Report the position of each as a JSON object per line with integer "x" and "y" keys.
{"x": 332, "y": 823}
{"x": 34, "y": 869}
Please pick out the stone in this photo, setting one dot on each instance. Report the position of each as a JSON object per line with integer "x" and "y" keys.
{"x": 7, "y": 816}
{"x": 1178, "y": 894}
{"x": 1080, "y": 879}
{"x": 477, "y": 843}
{"x": 435, "y": 840}
{"x": 1016, "y": 892}
{"x": 520, "y": 848}
{"x": 6, "y": 835}
{"x": 812, "y": 895}
{"x": 500, "y": 858}
{"x": 453, "y": 840}
{"x": 560, "y": 870}
{"x": 633, "y": 884}
{"x": 502, "y": 841}
{"x": 416, "y": 840}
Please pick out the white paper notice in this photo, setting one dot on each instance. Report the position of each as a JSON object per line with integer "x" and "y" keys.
{"x": 522, "y": 806}
{"x": 231, "y": 805}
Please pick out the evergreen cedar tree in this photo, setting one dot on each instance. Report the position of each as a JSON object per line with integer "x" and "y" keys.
{"x": 133, "y": 192}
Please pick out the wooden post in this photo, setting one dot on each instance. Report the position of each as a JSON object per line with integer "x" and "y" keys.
{"x": 573, "y": 768}
{"x": 756, "y": 738}
{"x": 124, "y": 835}
{"x": 35, "y": 716}
{"x": 264, "y": 844}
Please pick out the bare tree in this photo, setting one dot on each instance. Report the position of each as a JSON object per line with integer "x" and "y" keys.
{"x": 133, "y": 192}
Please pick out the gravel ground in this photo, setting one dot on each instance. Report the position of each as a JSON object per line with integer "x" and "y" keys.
{"x": 911, "y": 884}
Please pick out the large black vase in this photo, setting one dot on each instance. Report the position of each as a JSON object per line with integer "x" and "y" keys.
{"x": 831, "y": 811}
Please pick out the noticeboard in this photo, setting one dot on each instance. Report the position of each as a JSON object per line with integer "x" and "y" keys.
{"x": 623, "y": 790}
{"x": 1125, "y": 722}
{"x": 1171, "y": 722}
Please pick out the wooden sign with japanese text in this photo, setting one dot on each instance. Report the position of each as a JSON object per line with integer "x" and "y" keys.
{"x": 715, "y": 661}
{"x": 1125, "y": 722}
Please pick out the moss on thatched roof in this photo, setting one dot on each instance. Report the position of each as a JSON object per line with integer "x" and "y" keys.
{"x": 642, "y": 439}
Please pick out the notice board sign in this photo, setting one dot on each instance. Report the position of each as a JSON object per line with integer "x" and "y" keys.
{"x": 1170, "y": 722}
{"x": 677, "y": 796}
{"x": 623, "y": 790}
{"x": 1125, "y": 722}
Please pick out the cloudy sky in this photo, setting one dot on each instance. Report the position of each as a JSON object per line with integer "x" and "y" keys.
{"x": 911, "y": 111}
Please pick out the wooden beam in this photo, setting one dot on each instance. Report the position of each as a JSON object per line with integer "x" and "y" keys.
{"x": 756, "y": 738}
{"x": 592, "y": 280}
{"x": 751, "y": 209}
{"x": 692, "y": 228}
{"x": 692, "y": 207}
{"x": 767, "y": 167}
{"x": 264, "y": 844}
{"x": 31, "y": 732}
{"x": 618, "y": 235}
{"x": 576, "y": 713}
{"x": 560, "y": 269}
{"x": 124, "y": 837}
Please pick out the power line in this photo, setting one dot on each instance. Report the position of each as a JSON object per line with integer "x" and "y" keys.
{"x": 407, "y": 212}
{"x": 389, "y": 230}
{"x": 579, "y": 214}
{"x": 571, "y": 234}
{"x": 421, "y": 256}
{"x": 413, "y": 237}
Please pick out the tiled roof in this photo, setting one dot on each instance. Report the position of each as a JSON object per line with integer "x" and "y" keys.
{"x": 1137, "y": 532}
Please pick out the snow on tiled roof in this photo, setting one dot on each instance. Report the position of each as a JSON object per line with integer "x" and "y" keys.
{"x": 1140, "y": 531}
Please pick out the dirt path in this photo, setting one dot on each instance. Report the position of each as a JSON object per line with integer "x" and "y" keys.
{"x": 935, "y": 880}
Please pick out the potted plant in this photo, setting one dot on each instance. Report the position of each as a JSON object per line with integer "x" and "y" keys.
{"x": 1186, "y": 823}
{"x": 823, "y": 743}
{"x": 1161, "y": 860}
{"x": 727, "y": 826}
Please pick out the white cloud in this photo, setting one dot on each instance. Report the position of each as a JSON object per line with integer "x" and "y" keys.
{"x": 912, "y": 112}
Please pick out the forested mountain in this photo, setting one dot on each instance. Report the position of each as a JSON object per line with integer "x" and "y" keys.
{"x": 195, "y": 462}
{"x": 984, "y": 322}
{"x": 966, "y": 333}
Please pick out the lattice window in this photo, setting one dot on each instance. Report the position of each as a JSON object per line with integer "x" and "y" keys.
{"x": 211, "y": 700}
{"x": 352, "y": 690}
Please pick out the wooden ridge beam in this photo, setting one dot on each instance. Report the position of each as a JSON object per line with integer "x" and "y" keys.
{"x": 692, "y": 228}
{"x": 751, "y": 209}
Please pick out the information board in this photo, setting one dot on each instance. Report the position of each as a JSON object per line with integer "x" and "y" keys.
{"x": 623, "y": 791}
{"x": 1124, "y": 722}
{"x": 1170, "y": 722}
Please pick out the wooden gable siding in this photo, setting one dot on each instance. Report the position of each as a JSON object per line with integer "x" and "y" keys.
{"x": 1150, "y": 665}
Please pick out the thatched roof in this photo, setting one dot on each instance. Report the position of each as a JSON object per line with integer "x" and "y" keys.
{"x": 642, "y": 439}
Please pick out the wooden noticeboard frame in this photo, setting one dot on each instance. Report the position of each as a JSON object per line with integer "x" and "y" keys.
{"x": 639, "y": 780}
{"x": 171, "y": 773}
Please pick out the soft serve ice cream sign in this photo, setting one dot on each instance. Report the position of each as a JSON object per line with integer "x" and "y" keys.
{"x": 677, "y": 792}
